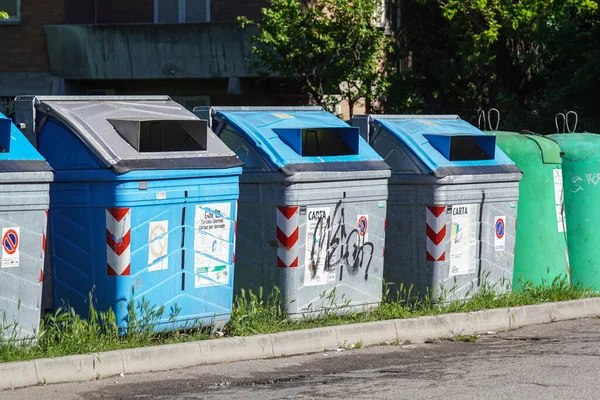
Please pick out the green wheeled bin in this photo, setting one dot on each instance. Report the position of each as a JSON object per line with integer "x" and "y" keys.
{"x": 541, "y": 252}
{"x": 581, "y": 174}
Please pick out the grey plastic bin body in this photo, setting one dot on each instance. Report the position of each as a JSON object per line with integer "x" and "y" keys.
{"x": 451, "y": 216}
{"x": 298, "y": 221}
{"x": 24, "y": 200}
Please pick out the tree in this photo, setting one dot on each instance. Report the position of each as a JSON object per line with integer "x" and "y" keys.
{"x": 327, "y": 46}
{"x": 516, "y": 35}
{"x": 530, "y": 58}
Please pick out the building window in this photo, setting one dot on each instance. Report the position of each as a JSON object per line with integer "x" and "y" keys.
{"x": 12, "y": 8}
{"x": 180, "y": 11}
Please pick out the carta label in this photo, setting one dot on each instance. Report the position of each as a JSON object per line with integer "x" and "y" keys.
{"x": 460, "y": 210}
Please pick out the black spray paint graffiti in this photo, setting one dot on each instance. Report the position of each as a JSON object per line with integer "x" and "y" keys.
{"x": 341, "y": 248}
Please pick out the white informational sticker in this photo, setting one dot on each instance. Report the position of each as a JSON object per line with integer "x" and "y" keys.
{"x": 158, "y": 245}
{"x": 212, "y": 246}
{"x": 212, "y": 273}
{"x": 559, "y": 200}
{"x": 316, "y": 248}
{"x": 463, "y": 239}
{"x": 161, "y": 195}
{"x": 331, "y": 277}
{"x": 362, "y": 227}
{"x": 499, "y": 233}
{"x": 10, "y": 247}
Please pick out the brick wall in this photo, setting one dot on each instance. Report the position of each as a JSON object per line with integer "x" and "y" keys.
{"x": 125, "y": 11}
{"x": 109, "y": 11}
{"x": 24, "y": 45}
{"x": 228, "y": 10}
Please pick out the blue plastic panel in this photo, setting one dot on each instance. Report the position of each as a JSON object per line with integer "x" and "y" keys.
{"x": 430, "y": 140}
{"x": 277, "y": 135}
{"x": 81, "y": 233}
{"x": 14, "y": 142}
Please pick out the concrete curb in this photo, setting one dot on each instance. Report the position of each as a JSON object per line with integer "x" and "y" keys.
{"x": 415, "y": 330}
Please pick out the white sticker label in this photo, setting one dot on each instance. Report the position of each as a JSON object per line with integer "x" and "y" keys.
{"x": 161, "y": 195}
{"x": 331, "y": 277}
{"x": 559, "y": 200}
{"x": 463, "y": 234}
{"x": 10, "y": 247}
{"x": 213, "y": 226}
{"x": 210, "y": 275}
{"x": 316, "y": 248}
{"x": 158, "y": 243}
{"x": 499, "y": 233}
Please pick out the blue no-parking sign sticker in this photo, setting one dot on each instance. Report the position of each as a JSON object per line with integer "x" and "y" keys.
{"x": 499, "y": 234}
{"x": 362, "y": 227}
{"x": 10, "y": 247}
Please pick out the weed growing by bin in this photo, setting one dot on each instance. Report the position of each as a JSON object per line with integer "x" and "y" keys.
{"x": 65, "y": 332}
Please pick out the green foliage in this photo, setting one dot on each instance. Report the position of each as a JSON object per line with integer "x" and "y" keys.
{"x": 253, "y": 314}
{"x": 466, "y": 338}
{"x": 328, "y": 46}
{"x": 530, "y": 59}
{"x": 490, "y": 20}
{"x": 3, "y": 15}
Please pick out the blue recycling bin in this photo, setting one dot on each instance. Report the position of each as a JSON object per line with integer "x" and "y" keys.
{"x": 312, "y": 208}
{"x": 143, "y": 208}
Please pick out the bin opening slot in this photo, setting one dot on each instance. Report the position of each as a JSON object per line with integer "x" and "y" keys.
{"x": 162, "y": 135}
{"x": 312, "y": 142}
{"x": 464, "y": 147}
{"x": 5, "y": 129}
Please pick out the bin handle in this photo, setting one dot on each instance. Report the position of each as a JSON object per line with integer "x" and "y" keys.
{"x": 564, "y": 124}
{"x": 497, "y": 119}
{"x": 567, "y": 121}
{"x": 480, "y": 118}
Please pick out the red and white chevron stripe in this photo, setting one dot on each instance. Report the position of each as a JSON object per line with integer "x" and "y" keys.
{"x": 45, "y": 224}
{"x": 118, "y": 238}
{"x": 287, "y": 236}
{"x": 435, "y": 217}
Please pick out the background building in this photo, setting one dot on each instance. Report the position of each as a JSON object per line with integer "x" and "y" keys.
{"x": 191, "y": 50}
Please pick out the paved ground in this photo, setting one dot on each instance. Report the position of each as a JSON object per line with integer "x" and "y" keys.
{"x": 554, "y": 361}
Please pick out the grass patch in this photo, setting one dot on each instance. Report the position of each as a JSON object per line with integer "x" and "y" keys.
{"x": 66, "y": 333}
{"x": 466, "y": 338}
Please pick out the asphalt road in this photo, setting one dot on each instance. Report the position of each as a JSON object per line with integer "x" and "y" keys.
{"x": 555, "y": 361}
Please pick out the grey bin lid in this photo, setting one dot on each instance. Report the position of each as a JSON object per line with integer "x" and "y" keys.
{"x": 139, "y": 133}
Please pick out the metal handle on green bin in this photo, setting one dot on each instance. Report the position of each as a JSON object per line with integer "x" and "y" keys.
{"x": 481, "y": 116}
{"x": 490, "y": 119}
{"x": 566, "y": 128}
{"x": 564, "y": 125}
{"x": 567, "y": 121}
